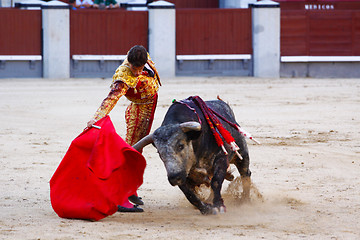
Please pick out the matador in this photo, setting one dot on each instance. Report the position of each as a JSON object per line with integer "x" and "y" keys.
{"x": 138, "y": 80}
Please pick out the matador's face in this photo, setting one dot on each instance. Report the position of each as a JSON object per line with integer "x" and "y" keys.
{"x": 136, "y": 70}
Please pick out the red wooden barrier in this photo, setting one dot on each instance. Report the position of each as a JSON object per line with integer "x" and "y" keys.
{"x": 20, "y": 32}
{"x": 320, "y": 28}
{"x": 320, "y": 33}
{"x": 107, "y": 32}
{"x": 213, "y": 31}
{"x": 294, "y": 33}
{"x": 332, "y": 32}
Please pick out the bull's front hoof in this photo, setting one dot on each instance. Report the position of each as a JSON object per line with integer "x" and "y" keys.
{"x": 209, "y": 210}
{"x": 222, "y": 209}
{"x": 212, "y": 211}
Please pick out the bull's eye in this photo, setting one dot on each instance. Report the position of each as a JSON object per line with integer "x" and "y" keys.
{"x": 180, "y": 147}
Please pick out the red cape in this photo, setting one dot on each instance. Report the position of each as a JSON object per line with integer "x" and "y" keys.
{"x": 98, "y": 172}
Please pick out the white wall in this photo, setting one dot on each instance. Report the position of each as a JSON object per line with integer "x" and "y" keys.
{"x": 162, "y": 42}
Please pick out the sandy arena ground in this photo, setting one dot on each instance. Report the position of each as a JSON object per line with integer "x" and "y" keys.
{"x": 307, "y": 168}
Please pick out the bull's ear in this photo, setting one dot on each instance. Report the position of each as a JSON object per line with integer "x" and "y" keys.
{"x": 192, "y": 129}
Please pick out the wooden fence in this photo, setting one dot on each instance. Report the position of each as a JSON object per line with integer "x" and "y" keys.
{"x": 107, "y": 32}
{"x": 20, "y": 32}
{"x": 213, "y": 31}
{"x": 320, "y": 33}
{"x": 198, "y": 31}
{"x": 320, "y": 28}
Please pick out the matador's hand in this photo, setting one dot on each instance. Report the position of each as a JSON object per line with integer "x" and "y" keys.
{"x": 91, "y": 122}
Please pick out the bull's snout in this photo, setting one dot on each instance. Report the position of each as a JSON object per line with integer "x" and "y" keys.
{"x": 177, "y": 178}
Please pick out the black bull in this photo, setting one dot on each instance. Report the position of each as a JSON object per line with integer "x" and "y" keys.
{"x": 191, "y": 155}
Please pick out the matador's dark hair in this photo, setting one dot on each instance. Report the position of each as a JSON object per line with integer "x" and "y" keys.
{"x": 137, "y": 56}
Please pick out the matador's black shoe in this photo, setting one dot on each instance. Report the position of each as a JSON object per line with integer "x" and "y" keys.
{"x": 135, "y": 208}
{"x": 136, "y": 200}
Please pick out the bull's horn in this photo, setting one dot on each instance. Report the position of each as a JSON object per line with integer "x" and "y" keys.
{"x": 190, "y": 126}
{"x": 143, "y": 142}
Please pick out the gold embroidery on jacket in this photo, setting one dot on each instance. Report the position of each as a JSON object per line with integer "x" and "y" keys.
{"x": 138, "y": 120}
{"x": 143, "y": 87}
